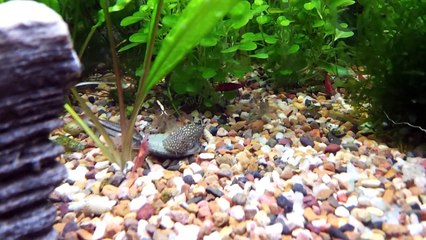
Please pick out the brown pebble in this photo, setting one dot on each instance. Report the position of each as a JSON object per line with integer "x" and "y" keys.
{"x": 332, "y": 148}
{"x": 388, "y": 196}
{"x": 145, "y": 212}
{"x": 257, "y": 126}
{"x": 329, "y": 166}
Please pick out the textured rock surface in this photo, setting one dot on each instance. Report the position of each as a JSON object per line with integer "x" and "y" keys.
{"x": 37, "y": 65}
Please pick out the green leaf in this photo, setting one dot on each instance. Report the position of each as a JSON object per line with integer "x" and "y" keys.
{"x": 209, "y": 41}
{"x": 138, "y": 38}
{"x": 130, "y": 20}
{"x": 129, "y": 46}
{"x": 275, "y": 10}
{"x": 270, "y": 39}
{"x": 318, "y": 23}
{"x": 263, "y": 19}
{"x": 249, "y": 36}
{"x": 309, "y": 6}
{"x": 293, "y": 49}
{"x": 260, "y": 55}
{"x": 197, "y": 20}
{"x": 230, "y": 49}
{"x": 170, "y": 20}
{"x": 340, "y": 3}
{"x": 257, "y": 10}
{"x": 247, "y": 46}
{"x": 240, "y": 14}
{"x": 53, "y": 4}
{"x": 283, "y": 21}
{"x": 286, "y": 72}
{"x": 208, "y": 73}
{"x": 342, "y": 34}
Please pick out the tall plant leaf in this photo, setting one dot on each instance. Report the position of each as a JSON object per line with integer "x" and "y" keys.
{"x": 198, "y": 19}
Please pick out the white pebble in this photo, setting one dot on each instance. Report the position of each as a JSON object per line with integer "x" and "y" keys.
{"x": 102, "y": 165}
{"x": 265, "y": 149}
{"x": 295, "y": 220}
{"x": 195, "y": 168}
{"x": 99, "y": 231}
{"x": 206, "y": 156}
{"x": 221, "y": 132}
{"x": 142, "y": 233}
{"x": 224, "y": 205}
{"x": 274, "y": 231}
{"x": 352, "y": 201}
{"x": 197, "y": 177}
{"x": 370, "y": 183}
{"x": 98, "y": 204}
{"x": 213, "y": 236}
{"x": 68, "y": 190}
{"x": 166, "y": 222}
{"x": 149, "y": 189}
{"x": 137, "y": 203}
{"x": 185, "y": 232}
{"x": 101, "y": 175}
{"x": 237, "y": 212}
{"x": 77, "y": 174}
{"x": 341, "y": 212}
{"x": 279, "y": 135}
{"x": 415, "y": 229}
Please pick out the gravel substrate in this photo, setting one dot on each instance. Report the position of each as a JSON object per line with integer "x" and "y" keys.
{"x": 284, "y": 166}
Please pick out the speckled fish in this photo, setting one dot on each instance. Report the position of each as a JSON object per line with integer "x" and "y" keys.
{"x": 183, "y": 139}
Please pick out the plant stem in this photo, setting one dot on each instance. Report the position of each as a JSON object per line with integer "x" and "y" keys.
{"x": 86, "y": 42}
{"x": 112, "y": 155}
{"x": 116, "y": 67}
{"x": 94, "y": 120}
{"x": 142, "y": 91}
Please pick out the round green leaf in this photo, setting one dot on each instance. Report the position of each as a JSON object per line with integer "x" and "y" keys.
{"x": 247, "y": 46}
{"x": 271, "y": 39}
{"x": 231, "y": 49}
{"x": 293, "y": 49}
{"x": 208, "y": 73}
{"x": 263, "y": 19}
{"x": 170, "y": 20}
{"x": 318, "y": 23}
{"x": 208, "y": 41}
{"x": 309, "y": 6}
{"x": 283, "y": 21}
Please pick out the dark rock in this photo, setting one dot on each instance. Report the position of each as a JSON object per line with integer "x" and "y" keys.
{"x": 70, "y": 227}
{"x": 213, "y": 130}
{"x": 376, "y": 224}
{"x": 297, "y": 187}
{"x": 351, "y": 146}
{"x": 90, "y": 174}
{"x": 37, "y": 65}
{"x": 347, "y": 227}
{"x": 188, "y": 179}
{"x": 314, "y": 125}
{"x": 337, "y": 233}
{"x": 306, "y": 140}
{"x": 239, "y": 199}
{"x": 284, "y": 203}
{"x": 117, "y": 178}
{"x": 332, "y": 148}
{"x": 333, "y": 139}
{"x": 194, "y": 200}
{"x": 271, "y": 142}
{"x": 225, "y": 172}
{"x": 91, "y": 99}
{"x": 214, "y": 191}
